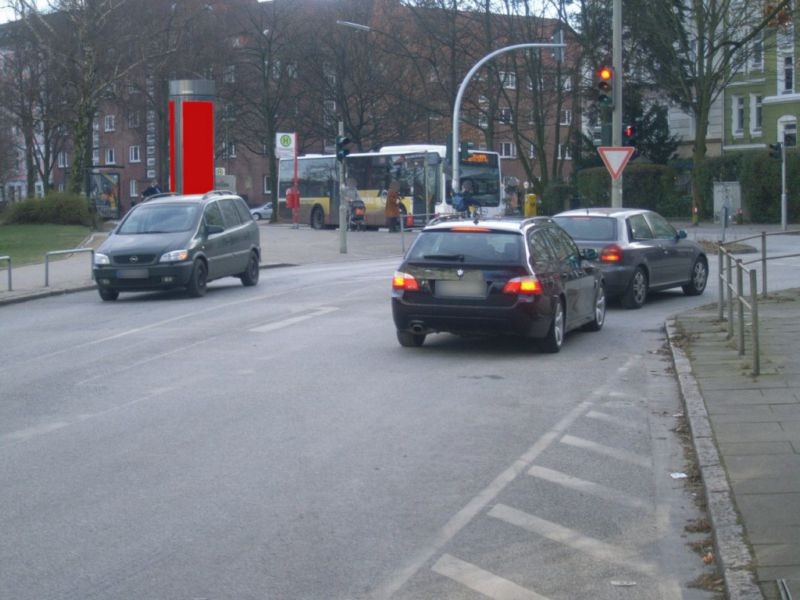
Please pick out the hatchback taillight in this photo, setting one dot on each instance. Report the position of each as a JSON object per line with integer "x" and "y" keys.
{"x": 523, "y": 286}
{"x": 404, "y": 281}
{"x": 611, "y": 254}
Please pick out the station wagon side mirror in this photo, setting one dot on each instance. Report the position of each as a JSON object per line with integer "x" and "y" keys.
{"x": 212, "y": 229}
{"x": 589, "y": 254}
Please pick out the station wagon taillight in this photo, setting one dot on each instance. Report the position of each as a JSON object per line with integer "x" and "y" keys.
{"x": 523, "y": 286}
{"x": 404, "y": 281}
{"x": 611, "y": 254}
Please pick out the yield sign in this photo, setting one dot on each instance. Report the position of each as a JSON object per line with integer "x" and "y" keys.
{"x": 615, "y": 158}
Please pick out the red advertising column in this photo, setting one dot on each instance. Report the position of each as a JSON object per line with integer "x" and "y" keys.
{"x": 191, "y": 136}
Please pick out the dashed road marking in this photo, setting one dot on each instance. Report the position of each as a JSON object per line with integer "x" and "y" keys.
{"x": 623, "y": 455}
{"x": 483, "y": 582}
{"x": 606, "y": 418}
{"x": 587, "y": 487}
{"x": 323, "y": 310}
{"x": 569, "y": 537}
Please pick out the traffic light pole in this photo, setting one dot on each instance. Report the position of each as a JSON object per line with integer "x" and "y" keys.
{"x": 342, "y": 207}
{"x": 616, "y": 112}
{"x": 784, "y": 216}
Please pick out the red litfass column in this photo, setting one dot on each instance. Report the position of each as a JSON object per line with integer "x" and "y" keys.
{"x": 191, "y": 136}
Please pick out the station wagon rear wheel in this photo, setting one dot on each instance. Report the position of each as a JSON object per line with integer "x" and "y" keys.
{"x": 636, "y": 293}
{"x": 410, "y": 340}
{"x": 555, "y": 335}
{"x": 697, "y": 284}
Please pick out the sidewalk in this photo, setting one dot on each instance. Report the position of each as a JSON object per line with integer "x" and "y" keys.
{"x": 746, "y": 430}
{"x": 746, "y": 433}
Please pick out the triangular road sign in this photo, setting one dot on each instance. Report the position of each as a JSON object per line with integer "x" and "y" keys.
{"x": 615, "y": 158}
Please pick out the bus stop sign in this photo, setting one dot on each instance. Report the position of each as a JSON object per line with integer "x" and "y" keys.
{"x": 615, "y": 158}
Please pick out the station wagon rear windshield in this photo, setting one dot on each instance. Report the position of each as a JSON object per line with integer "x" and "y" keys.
{"x": 162, "y": 218}
{"x": 467, "y": 247}
{"x": 589, "y": 228}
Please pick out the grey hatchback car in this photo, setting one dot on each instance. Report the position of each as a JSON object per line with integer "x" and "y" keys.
{"x": 639, "y": 251}
{"x": 179, "y": 242}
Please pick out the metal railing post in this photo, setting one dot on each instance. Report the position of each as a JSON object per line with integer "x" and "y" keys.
{"x": 729, "y": 285}
{"x": 740, "y": 306}
{"x": 754, "y": 313}
{"x": 764, "y": 264}
{"x": 720, "y": 279}
{"x": 59, "y": 252}
{"x": 8, "y": 258}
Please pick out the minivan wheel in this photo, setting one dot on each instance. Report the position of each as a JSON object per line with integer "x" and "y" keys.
{"x": 555, "y": 335}
{"x": 250, "y": 275}
{"x": 198, "y": 280}
{"x": 107, "y": 294}
{"x": 410, "y": 340}
{"x": 636, "y": 293}
{"x": 317, "y": 218}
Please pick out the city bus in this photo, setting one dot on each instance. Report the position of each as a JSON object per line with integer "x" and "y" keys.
{"x": 421, "y": 170}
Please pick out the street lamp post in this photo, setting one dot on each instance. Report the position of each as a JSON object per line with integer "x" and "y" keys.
{"x": 463, "y": 87}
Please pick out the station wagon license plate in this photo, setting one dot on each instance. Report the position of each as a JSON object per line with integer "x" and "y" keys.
{"x": 133, "y": 274}
{"x": 460, "y": 289}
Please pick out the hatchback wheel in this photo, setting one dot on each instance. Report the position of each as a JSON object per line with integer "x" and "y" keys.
{"x": 107, "y": 294}
{"x": 410, "y": 340}
{"x": 636, "y": 293}
{"x": 250, "y": 275}
{"x": 697, "y": 284}
{"x": 555, "y": 335}
{"x": 599, "y": 310}
{"x": 198, "y": 280}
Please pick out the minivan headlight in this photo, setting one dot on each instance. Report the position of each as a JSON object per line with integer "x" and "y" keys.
{"x": 174, "y": 256}
{"x": 101, "y": 259}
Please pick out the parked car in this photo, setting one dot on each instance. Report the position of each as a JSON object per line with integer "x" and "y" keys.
{"x": 639, "y": 252}
{"x": 262, "y": 212}
{"x": 523, "y": 278}
{"x": 179, "y": 241}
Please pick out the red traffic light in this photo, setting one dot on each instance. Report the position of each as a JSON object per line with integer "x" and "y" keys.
{"x": 630, "y": 131}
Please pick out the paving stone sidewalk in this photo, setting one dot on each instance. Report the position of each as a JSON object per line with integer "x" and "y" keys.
{"x": 747, "y": 436}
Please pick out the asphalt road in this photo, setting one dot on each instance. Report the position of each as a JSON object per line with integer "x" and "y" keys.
{"x": 277, "y": 442}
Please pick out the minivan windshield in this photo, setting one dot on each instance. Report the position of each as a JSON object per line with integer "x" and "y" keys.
{"x": 467, "y": 246}
{"x": 589, "y": 228}
{"x": 161, "y": 218}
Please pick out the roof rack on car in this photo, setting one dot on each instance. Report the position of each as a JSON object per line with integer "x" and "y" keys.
{"x": 218, "y": 193}
{"x": 159, "y": 195}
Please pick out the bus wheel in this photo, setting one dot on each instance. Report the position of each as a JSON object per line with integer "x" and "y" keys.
{"x": 317, "y": 218}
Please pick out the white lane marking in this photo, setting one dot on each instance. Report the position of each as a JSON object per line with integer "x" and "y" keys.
{"x": 483, "y": 582}
{"x": 569, "y": 537}
{"x": 323, "y": 310}
{"x": 616, "y": 453}
{"x": 22, "y": 435}
{"x": 460, "y": 520}
{"x": 587, "y": 487}
{"x": 606, "y": 418}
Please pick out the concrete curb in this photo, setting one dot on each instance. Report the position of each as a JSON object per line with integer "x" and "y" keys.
{"x": 734, "y": 557}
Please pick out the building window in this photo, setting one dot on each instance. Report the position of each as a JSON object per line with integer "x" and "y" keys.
{"x": 266, "y": 184}
{"x": 63, "y": 160}
{"x": 757, "y": 53}
{"x": 109, "y": 123}
{"x": 788, "y": 75}
{"x": 505, "y": 115}
{"x": 566, "y": 83}
{"x": 756, "y": 113}
{"x": 133, "y": 154}
{"x": 229, "y": 74}
{"x": 509, "y": 79}
{"x": 532, "y": 154}
{"x": 508, "y": 150}
{"x": 566, "y": 117}
{"x": 564, "y": 152}
{"x": 483, "y": 121}
{"x": 95, "y": 156}
{"x": 229, "y": 150}
{"x": 133, "y": 191}
{"x": 111, "y": 157}
{"x": 738, "y": 115}
{"x": 133, "y": 119}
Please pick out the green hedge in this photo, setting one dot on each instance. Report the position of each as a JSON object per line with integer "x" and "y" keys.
{"x": 60, "y": 208}
{"x": 760, "y": 179}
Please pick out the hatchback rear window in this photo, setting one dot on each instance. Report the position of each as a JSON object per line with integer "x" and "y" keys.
{"x": 162, "y": 218}
{"x": 588, "y": 228}
{"x": 463, "y": 246}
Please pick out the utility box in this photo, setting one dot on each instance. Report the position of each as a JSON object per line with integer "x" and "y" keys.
{"x": 727, "y": 194}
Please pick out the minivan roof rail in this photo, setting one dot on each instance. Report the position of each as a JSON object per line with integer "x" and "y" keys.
{"x": 159, "y": 195}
